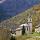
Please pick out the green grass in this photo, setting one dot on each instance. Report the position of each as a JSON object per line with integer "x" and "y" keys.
{"x": 23, "y": 37}
{"x": 36, "y": 34}
{"x": 28, "y": 37}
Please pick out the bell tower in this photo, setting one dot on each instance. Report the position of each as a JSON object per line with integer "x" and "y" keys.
{"x": 30, "y": 23}
{"x": 30, "y": 19}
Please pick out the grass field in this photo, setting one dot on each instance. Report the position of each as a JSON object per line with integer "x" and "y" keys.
{"x": 29, "y": 37}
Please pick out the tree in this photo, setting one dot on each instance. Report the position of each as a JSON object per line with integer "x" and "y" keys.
{"x": 23, "y": 30}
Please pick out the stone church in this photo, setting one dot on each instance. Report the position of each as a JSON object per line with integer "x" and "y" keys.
{"x": 28, "y": 27}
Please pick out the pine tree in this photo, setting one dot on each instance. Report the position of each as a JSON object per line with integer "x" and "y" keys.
{"x": 23, "y": 30}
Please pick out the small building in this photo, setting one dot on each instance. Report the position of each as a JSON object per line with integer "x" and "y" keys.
{"x": 37, "y": 28}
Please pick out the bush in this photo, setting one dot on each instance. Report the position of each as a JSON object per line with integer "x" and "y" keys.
{"x": 12, "y": 38}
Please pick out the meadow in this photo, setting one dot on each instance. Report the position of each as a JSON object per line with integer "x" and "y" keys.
{"x": 34, "y": 36}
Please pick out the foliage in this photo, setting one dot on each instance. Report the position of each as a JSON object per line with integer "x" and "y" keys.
{"x": 36, "y": 20}
{"x": 35, "y": 34}
{"x": 12, "y": 38}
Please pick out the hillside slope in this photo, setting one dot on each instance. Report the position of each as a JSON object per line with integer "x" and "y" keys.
{"x": 22, "y": 17}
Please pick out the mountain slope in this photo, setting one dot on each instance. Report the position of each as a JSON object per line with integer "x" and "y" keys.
{"x": 22, "y": 17}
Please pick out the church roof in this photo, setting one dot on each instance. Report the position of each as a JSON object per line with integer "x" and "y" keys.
{"x": 24, "y": 24}
{"x": 18, "y": 29}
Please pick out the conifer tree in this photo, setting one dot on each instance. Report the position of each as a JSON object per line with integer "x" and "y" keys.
{"x": 23, "y": 30}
